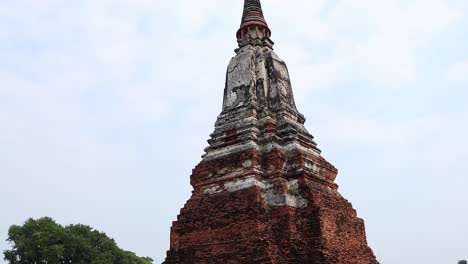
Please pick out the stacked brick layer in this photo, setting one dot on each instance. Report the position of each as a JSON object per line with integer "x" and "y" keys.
{"x": 266, "y": 218}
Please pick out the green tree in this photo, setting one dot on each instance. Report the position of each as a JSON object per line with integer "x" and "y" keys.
{"x": 43, "y": 241}
{"x": 462, "y": 262}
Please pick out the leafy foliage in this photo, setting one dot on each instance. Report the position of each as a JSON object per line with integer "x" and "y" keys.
{"x": 462, "y": 262}
{"x": 44, "y": 241}
{"x": 294, "y": 191}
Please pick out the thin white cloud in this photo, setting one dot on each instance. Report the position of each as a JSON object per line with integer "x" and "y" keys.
{"x": 350, "y": 129}
{"x": 377, "y": 41}
{"x": 458, "y": 72}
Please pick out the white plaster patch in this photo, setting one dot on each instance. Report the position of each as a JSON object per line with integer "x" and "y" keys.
{"x": 295, "y": 146}
{"x": 241, "y": 72}
{"x": 242, "y": 184}
{"x": 293, "y": 184}
{"x": 231, "y": 98}
{"x": 212, "y": 189}
{"x": 286, "y": 199}
{"x": 261, "y": 71}
{"x": 222, "y": 171}
{"x": 229, "y": 150}
{"x": 312, "y": 166}
{"x": 247, "y": 164}
{"x": 270, "y": 198}
{"x": 315, "y": 168}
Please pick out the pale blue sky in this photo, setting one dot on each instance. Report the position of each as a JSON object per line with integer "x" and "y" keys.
{"x": 106, "y": 106}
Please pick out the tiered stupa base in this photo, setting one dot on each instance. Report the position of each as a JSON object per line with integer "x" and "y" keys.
{"x": 247, "y": 217}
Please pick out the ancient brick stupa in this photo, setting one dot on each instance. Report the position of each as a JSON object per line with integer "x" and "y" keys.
{"x": 263, "y": 193}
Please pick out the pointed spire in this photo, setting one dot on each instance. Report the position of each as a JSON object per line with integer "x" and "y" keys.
{"x": 253, "y": 29}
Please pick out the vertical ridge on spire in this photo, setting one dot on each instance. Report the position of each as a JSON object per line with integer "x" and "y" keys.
{"x": 254, "y": 28}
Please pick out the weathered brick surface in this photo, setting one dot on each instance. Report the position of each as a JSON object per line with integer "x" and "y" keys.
{"x": 263, "y": 193}
{"x": 243, "y": 226}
